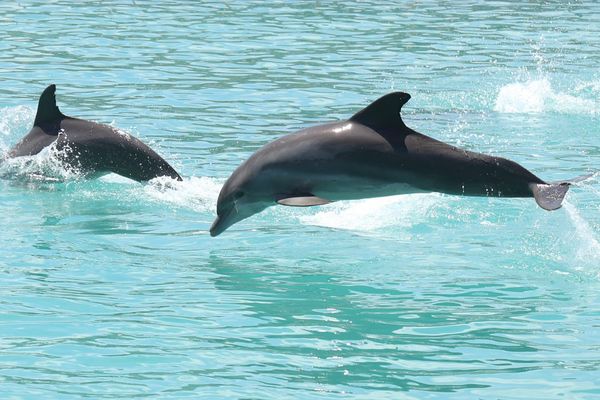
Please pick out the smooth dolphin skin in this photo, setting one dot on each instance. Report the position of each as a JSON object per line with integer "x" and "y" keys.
{"x": 89, "y": 147}
{"x": 372, "y": 154}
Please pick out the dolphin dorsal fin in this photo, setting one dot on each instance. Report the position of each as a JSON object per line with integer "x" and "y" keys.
{"x": 383, "y": 112}
{"x": 47, "y": 110}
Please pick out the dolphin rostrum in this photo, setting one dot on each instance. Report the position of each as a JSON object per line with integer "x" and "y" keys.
{"x": 372, "y": 154}
{"x": 89, "y": 147}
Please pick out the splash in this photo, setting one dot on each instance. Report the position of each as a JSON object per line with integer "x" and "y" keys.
{"x": 46, "y": 166}
{"x": 13, "y": 121}
{"x": 588, "y": 247}
{"x": 199, "y": 194}
{"x": 592, "y": 87}
{"x": 538, "y": 96}
{"x": 375, "y": 214}
{"x": 12, "y": 117}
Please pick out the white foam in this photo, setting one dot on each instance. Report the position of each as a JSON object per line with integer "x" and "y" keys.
{"x": 199, "y": 194}
{"x": 538, "y": 96}
{"x": 121, "y": 132}
{"x": 44, "y": 166}
{"x": 593, "y": 86}
{"x": 374, "y": 214}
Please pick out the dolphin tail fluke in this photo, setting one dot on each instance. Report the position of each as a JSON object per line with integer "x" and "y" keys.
{"x": 550, "y": 196}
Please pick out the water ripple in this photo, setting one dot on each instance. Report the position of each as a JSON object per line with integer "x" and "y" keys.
{"x": 110, "y": 289}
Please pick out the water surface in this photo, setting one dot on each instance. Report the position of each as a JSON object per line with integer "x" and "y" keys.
{"x": 110, "y": 289}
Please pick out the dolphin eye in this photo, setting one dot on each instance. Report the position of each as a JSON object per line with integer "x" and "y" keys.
{"x": 238, "y": 195}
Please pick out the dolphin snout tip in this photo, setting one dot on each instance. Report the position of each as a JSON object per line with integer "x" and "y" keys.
{"x": 213, "y": 229}
{"x": 217, "y": 227}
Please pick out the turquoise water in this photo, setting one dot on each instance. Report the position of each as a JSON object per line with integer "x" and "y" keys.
{"x": 111, "y": 289}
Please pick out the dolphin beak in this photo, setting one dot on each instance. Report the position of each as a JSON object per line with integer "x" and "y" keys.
{"x": 222, "y": 222}
{"x": 217, "y": 227}
{"x": 234, "y": 214}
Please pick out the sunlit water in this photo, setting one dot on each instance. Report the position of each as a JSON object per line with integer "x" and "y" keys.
{"x": 111, "y": 289}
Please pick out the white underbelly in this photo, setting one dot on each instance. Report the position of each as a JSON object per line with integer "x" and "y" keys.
{"x": 357, "y": 188}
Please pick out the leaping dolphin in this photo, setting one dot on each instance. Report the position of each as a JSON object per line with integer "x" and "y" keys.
{"x": 372, "y": 154}
{"x": 89, "y": 147}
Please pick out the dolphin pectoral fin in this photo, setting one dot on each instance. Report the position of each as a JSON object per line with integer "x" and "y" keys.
{"x": 302, "y": 201}
{"x": 549, "y": 196}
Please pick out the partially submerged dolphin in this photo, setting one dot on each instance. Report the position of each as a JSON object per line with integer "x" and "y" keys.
{"x": 372, "y": 154}
{"x": 89, "y": 147}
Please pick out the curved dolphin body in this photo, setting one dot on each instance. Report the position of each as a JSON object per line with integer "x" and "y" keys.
{"x": 89, "y": 147}
{"x": 371, "y": 154}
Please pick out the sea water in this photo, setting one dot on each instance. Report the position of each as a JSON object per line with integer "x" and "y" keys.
{"x": 112, "y": 289}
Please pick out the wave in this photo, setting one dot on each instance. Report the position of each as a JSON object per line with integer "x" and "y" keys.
{"x": 538, "y": 96}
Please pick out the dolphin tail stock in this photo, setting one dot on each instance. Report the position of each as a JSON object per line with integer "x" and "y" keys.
{"x": 550, "y": 196}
